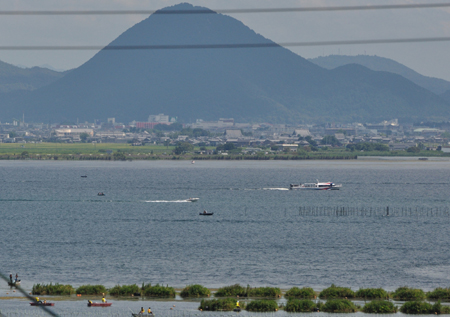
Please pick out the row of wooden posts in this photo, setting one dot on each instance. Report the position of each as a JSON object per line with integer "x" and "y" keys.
{"x": 375, "y": 211}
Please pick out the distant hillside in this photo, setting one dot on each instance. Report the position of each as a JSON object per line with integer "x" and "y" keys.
{"x": 248, "y": 84}
{"x": 14, "y": 78}
{"x": 446, "y": 95}
{"x": 436, "y": 85}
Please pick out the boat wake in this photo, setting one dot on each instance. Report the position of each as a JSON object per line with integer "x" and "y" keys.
{"x": 168, "y": 201}
{"x": 275, "y": 188}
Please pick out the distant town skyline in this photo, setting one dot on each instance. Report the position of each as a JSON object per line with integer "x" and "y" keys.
{"x": 429, "y": 58}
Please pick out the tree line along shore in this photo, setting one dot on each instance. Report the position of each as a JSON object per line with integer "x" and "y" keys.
{"x": 123, "y": 152}
{"x": 334, "y": 299}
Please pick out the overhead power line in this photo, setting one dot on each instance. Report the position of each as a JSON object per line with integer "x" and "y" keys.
{"x": 215, "y": 46}
{"x": 20, "y": 289}
{"x": 226, "y": 11}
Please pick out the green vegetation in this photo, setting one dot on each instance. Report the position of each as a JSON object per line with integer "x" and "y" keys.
{"x": 232, "y": 291}
{"x": 264, "y": 292}
{"x": 50, "y": 289}
{"x": 417, "y": 307}
{"x": 372, "y": 293}
{"x": 368, "y": 147}
{"x": 195, "y": 290}
{"x": 330, "y": 139}
{"x": 305, "y": 292}
{"x": 408, "y": 294}
{"x": 124, "y": 290}
{"x": 339, "y": 306}
{"x": 183, "y": 147}
{"x": 336, "y": 292}
{"x": 91, "y": 290}
{"x": 380, "y": 307}
{"x": 300, "y": 305}
{"x": 225, "y": 304}
{"x": 262, "y": 305}
{"x": 158, "y": 291}
{"x": 439, "y": 294}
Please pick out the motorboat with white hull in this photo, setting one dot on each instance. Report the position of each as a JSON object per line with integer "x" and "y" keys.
{"x": 317, "y": 186}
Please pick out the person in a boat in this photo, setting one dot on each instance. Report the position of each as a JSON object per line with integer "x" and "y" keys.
{"x": 89, "y": 301}
{"x": 142, "y": 311}
{"x": 17, "y": 277}
{"x": 149, "y": 311}
{"x": 103, "y": 298}
{"x": 237, "y": 305}
{"x": 204, "y": 211}
{"x": 10, "y": 278}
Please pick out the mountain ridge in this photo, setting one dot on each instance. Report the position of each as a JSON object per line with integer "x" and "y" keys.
{"x": 249, "y": 84}
{"x": 377, "y": 63}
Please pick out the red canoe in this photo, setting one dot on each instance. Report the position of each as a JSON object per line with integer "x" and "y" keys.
{"x": 99, "y": 304}
{"x": 42, "y": 304}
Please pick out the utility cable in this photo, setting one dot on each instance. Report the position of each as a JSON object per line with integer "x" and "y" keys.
{"x": 20, "y": 289}
{"x": 227, "y": 11}
{"x": 215, "y": 46}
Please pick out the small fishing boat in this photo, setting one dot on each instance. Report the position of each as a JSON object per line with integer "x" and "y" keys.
{"x": 84, "y": 176}
{"x": 41, "y": 303}
{"x": 141, "y": 315}
{"x": 100, "y": 194}
{"x": 105, "y": 304}
{"x": 192, "y": 200}
{"x": 14, "y": 283}
{"x": 237, "y": 309}
{"x": 206, "y": 213}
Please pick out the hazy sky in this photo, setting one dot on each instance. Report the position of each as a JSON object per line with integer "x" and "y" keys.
{"x": 431, "y": 58}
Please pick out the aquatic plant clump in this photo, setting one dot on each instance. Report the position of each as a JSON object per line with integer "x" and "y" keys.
{"x": 262, "y": 305}
{"x": 124, "y": 290}
{"x": 339, "y": 306}
{"x": 224, "y": 304}
{"x": 50, "y": 289}
{"x": 195, "y": 290}
{"x": 300, "y": 305}
{"x": 408, "y": 294}
{"x": 380, "y": 307}
{"x": 336, "y": 292}
{"x": 231, "y": 291}
{"x": 158, "y": 291}
{"x": 91, "y": 290}
{"x": 305, "y": 292}
{"x": 264, "y": 292}
{"x": 372, "y": 293}
{"x": 439, "y": 294}
{"x": 417, "y": 307}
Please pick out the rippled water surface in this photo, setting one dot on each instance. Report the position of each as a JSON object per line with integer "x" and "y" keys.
{"x": 54, "y": 227}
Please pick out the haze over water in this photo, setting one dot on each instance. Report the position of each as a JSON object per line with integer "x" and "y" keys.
{"x": 54, "y": 227}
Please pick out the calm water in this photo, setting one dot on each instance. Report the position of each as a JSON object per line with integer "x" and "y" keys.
{"x": 54, "y": 227}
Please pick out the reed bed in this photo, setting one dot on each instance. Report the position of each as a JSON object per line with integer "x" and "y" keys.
{"x": 300, "y": 305}
{"x": 262, "y": 305}
{"x": 380, "y": 307}
{"x": 125, "y": 290}
{"x": 222, "y": 304}
{"x": 91, "y": 290}
{"x": 336, "y": 292}
{"x": 158, "y": 291}
{"x": 195, "y": 290}
{"x": 305, "y": 293}
{"x": 50, "y": 289}
{"x": 408, "y": 294}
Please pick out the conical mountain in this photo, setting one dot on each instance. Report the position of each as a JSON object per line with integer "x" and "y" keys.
{"x": 248, "y": 84}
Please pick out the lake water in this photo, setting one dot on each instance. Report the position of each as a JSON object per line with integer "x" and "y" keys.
{"x": 54, "y": 227}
